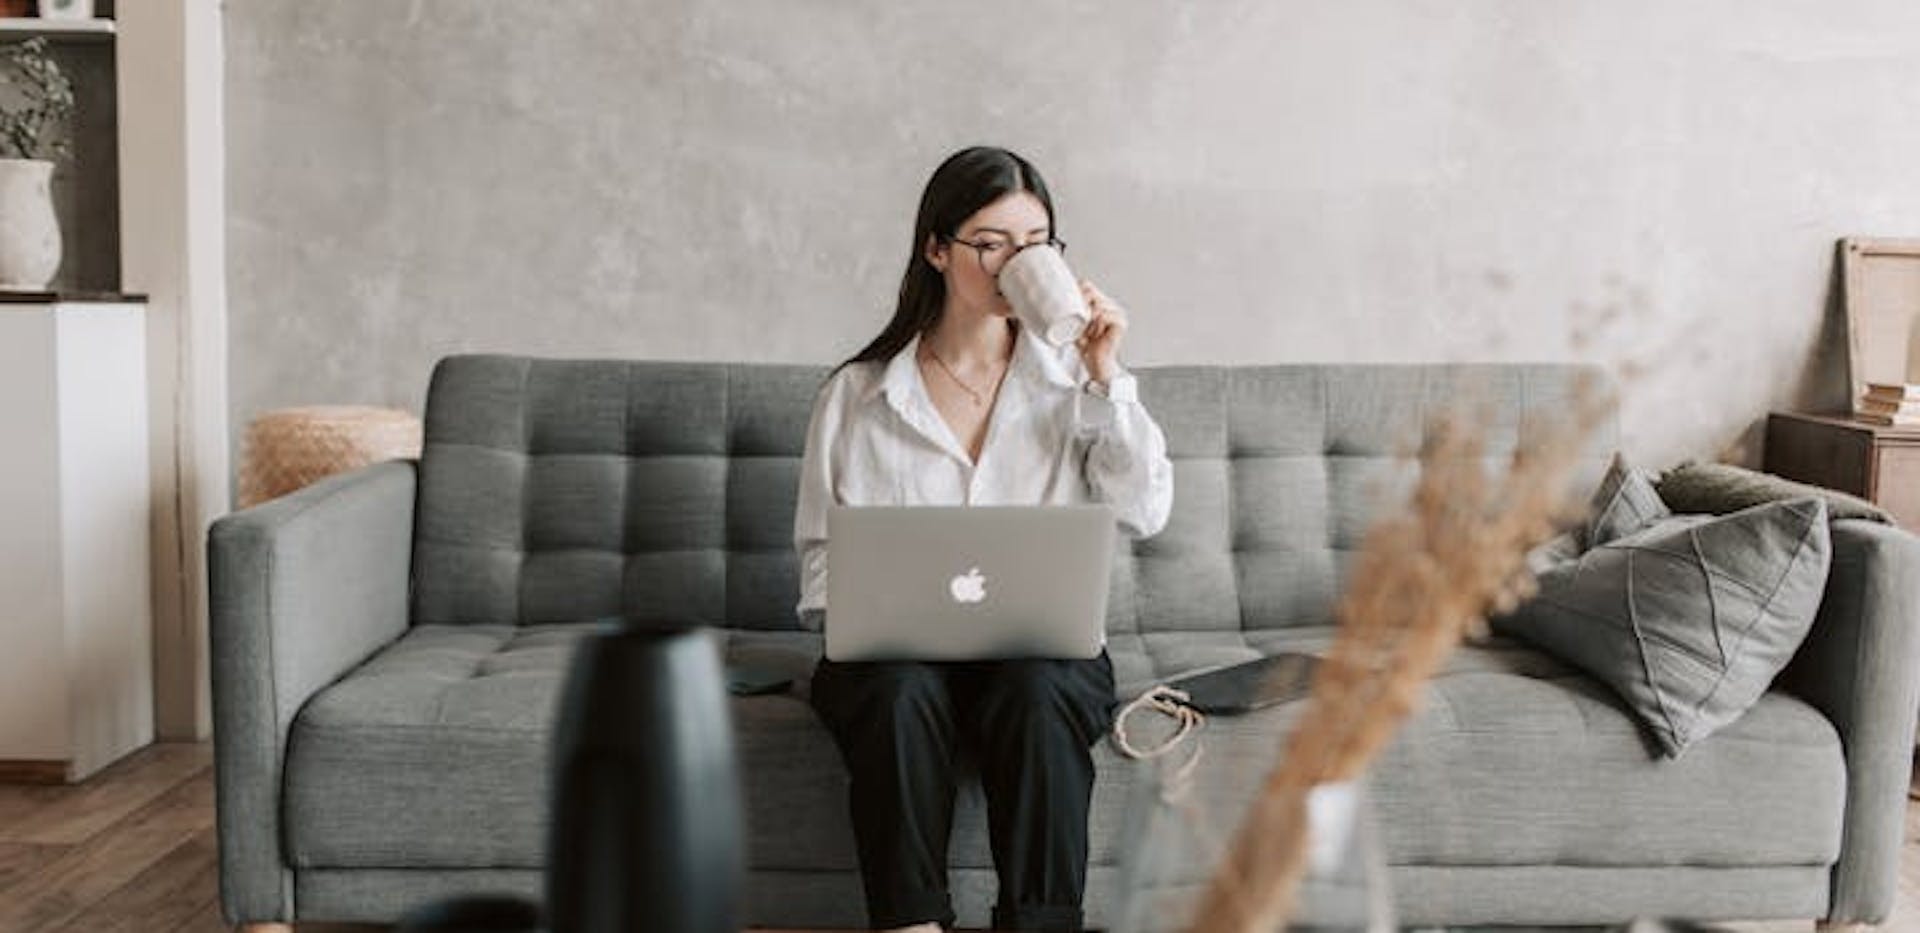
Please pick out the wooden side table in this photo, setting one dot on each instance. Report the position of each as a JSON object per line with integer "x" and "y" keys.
{"x": 1880, "y": 464}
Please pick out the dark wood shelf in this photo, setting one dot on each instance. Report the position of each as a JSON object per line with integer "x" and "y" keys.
{"x": 69, "y": 297}
{"x": 64, "y": 30}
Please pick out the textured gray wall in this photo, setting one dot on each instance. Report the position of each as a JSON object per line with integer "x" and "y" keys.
{"x": 1650, "y": 184}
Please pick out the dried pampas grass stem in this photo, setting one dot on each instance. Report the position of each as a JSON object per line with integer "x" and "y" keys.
{"x": 1423, "y": 580}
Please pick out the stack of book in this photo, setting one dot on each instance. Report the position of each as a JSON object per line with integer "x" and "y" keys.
{"x": 1890, "y": 404}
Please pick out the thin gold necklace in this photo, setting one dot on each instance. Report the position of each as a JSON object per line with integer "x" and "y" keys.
{"x": 979, "y": 399}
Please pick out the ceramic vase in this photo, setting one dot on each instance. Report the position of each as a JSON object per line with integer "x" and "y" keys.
{"x": 29, "y": 232}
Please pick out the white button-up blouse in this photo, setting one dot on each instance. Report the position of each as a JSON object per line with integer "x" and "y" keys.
{"x": 875, "y": 438}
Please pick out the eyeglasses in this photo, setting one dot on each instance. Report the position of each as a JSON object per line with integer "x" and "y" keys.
{"x": 994, "y": 251}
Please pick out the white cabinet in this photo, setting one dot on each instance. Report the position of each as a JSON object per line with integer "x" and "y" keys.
{"x": 76, "y": 669}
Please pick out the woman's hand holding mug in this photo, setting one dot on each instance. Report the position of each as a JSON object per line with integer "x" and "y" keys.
{"x": 1100, "y": 342}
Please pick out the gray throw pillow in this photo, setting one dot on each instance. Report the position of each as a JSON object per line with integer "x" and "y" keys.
{"x": 1625, "y": 501}
{"x": 1719, "y": 488}
{"x": 1687, "y": 617}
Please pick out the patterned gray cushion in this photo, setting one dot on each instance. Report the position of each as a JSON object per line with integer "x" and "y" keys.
{"x": 1688, "y": 618}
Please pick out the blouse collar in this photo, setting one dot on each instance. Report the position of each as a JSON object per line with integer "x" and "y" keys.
{"x": 1034, "y": 361}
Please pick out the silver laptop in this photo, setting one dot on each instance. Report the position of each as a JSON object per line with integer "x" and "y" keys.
{"x": 954, "y": 583}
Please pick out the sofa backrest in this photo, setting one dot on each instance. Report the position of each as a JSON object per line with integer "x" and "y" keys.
{"x": 567, "y": 489}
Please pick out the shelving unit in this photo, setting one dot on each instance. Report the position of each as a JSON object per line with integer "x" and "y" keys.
{"x": 77, "y": 679}
{"x": 81, "y": 30}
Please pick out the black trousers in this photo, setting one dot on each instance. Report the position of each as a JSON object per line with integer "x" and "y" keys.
{"x": 1030, "y": 725}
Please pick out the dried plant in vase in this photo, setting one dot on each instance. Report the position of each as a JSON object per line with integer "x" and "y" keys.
{"x": 1423, "y": 580}
{"x": 36, "y": 101}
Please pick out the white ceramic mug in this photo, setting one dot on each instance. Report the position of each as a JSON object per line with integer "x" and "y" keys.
{"x": 1045, "y": 295}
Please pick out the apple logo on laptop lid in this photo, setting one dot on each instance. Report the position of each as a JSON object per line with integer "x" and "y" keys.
{"x": 969, "y": 587}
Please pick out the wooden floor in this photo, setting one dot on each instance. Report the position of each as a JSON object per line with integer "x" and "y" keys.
{"x": 133, "y": 849}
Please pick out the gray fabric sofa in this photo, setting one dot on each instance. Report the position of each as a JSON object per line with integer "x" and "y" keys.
{"x": 388, "y": 644}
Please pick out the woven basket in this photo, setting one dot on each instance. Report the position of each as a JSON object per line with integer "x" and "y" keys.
{"x": 289, "y": 448}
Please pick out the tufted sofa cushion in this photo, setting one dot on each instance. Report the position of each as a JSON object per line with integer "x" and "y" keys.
{"x": 553, "y": 490}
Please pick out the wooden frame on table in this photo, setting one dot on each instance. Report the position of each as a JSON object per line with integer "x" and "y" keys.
{"x": 1881, "y": 282}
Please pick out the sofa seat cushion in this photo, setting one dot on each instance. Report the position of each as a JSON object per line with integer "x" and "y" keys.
{"x": 433, "y": 753}
{"x": 1517, "y": 759}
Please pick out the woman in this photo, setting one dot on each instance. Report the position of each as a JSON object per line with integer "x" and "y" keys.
{"x": 954, "y": 404}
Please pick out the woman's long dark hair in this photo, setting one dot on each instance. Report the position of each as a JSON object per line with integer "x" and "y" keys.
{"x": 966, "y": 182}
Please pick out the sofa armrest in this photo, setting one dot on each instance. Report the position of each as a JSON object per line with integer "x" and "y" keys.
{"x": 1861, "y": 667}
{"x": 301, "y": 589}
